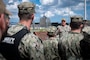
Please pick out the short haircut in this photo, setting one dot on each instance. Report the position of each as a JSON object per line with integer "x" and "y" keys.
{"x": 75, "y": 25}
{"x": 25, "y": 16}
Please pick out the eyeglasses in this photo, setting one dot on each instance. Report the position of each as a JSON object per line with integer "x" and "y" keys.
{"x": 7, "y": 16}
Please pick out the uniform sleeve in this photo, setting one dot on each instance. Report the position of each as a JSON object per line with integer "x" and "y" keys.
{"x": 55, "y": 50}
{"x": 61, "y": 49}
{"x": 57, "y": 31}
{"x": 51, "y": 50}
{"x": 47, "y": 49}
{"x": 31, "y": 47}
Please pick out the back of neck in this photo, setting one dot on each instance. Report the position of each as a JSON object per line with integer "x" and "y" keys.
{"x": 26, "y": 23}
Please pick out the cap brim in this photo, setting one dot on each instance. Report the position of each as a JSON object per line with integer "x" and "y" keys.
{"x": 8, "y": 12}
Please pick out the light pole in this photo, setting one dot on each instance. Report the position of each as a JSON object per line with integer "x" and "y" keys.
{"x": 85, "y": 10}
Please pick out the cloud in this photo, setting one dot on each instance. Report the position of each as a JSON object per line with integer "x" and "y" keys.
{"x": 63, "y": 7}
{"x": 72, "y": 13}
{"x": 25, "y": 0}
{"x": 39, "y": 9}
{"x": 58, "y": 12}
{"x": 10, "y": 1}
{"x": 64, "y": 11}
{"x": 80, "y": 6}
{"x": 49, "y": 14}
{"x": 12, "y": 6}
{"x": 51, "y": 8}
{"x": 46, "y": 2}
{"x": 39, "y": 6}
{"x": 14, "y": 16}
{"x": 37, "y": 19}
{"x": 68, "y": 12}
{"x": 49, "y": 2}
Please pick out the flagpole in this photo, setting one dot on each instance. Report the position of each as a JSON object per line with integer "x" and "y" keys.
{"x": 85, "y": 9}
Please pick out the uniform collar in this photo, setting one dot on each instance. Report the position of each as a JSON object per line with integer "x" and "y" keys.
{"x": 22, "y": 25}
{"x": 74, "y": 32}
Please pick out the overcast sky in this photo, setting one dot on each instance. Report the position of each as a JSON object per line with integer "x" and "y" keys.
{"x": 53, "y": 9}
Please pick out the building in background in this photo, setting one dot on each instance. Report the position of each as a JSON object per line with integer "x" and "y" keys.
{"x": 48, "y": 22}
{"x": 45, "y": 22}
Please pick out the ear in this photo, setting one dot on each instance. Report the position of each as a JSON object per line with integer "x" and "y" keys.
{"x": 32, "y": 16}
{"x": 81, "y": 25}
{"x": 2, "y": 23}
{"x": 1, "y": 20}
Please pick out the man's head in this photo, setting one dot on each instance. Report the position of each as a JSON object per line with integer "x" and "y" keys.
{"x": 76, "y": 22}
{"x": 3, "y": 12}
{"x": 85, "y": 22}
{"x": 63, "y": 22}
{"x": 26, "y": 10}
{"x": 51, "y": 31}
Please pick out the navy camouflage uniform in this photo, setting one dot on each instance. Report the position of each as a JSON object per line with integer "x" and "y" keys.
{"x": 69, "y": 42}
{"x": 30, "y": 46}
{"x": 51, "y": 45}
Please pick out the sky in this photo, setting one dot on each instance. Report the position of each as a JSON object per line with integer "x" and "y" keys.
{"x": 55, "y": 10}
